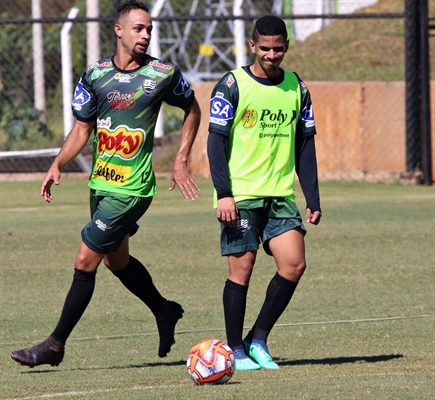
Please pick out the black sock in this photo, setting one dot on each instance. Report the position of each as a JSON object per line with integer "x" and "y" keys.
{"x": 138, "y": 281}
{"x": 234, "y": 299}
{"x": 76, "y": 301}
{"x": 278, "y": 296}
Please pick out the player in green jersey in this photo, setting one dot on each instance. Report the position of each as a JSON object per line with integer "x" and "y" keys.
{"x": 261, "y": 134}
{"x": 118, "y": 99}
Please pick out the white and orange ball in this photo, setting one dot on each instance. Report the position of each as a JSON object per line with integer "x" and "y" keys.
{"x": 211, "y": 361}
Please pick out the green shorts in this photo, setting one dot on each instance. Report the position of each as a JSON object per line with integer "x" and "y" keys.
{"x": 114, "y": 216}
{"x": 260, "y": 219}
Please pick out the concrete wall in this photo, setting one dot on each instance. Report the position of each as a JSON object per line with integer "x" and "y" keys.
{"x": 360, "y": 130}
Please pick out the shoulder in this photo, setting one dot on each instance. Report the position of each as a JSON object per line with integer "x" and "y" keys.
{"x": 159, "y": 69}
{"x": 302, "y": 84}
{"x": 227, "y": 84}
{"x": 103, "y": 63}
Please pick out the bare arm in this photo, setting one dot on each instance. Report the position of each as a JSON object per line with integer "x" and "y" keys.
{"x": 74, "y": 144}
{"x": 180, "y": 173}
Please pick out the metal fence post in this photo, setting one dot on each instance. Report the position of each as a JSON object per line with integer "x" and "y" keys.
{"x": 426, "y": 160}
{"x": 412, "y": 87}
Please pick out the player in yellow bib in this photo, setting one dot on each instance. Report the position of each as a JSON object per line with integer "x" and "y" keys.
{"x": 261, "y": 134}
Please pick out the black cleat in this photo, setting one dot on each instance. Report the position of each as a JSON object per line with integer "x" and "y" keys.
{"x": 172, "y": 312}
{"x": 42, "y": 353}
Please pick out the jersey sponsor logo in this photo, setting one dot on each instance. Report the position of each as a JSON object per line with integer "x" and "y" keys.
{"x": 221, "y": 110}
{"x": 274, "y": 119}
{"x": 266, "y": 118}
{"x": 121, "y": 101}
{"x": 124, "y": 78}
{"x": 101, "y": 225}
{"x": 81, "y": 96}
{"x": 158, "y": 64}
{"x": 273, "y": 135}
{"x": 149, "y": 86}
{"x": 249, "y": 118}
{"x": 112, "y": 173}
{"x": 98, "y": 73}
{"x": 150, "y": 72}
{"x": 230, "y": 80}
{"x": 307, "y": 115}
{"x": 122, "y": 142}
{"x": 183, "y": 88}
{"x": 102, "y": 65}
{"x": 104, "y": 123}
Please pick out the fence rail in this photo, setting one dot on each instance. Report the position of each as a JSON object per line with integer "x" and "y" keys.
{"x": 183, "y": 29}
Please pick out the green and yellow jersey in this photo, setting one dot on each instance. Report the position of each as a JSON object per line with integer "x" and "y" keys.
{"x": 124, "y": 106}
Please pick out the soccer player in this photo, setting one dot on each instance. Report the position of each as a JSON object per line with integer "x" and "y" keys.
{"x": 261, "y": 134}
{"x": 119, "y": 98}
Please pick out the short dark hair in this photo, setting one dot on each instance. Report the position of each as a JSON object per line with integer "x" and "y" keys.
{"x": 269, "y": 25}
{"x": 130, "y": 5}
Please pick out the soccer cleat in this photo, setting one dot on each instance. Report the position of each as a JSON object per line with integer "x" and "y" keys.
{"x": 42, "y": 353}
{"x": 166, "y": 326}
{"x": 243, "y": 362}
{"x": 260, "y": 353}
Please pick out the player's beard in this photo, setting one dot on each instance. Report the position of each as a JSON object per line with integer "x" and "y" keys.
{"x": 270, "y": 66}
{"x": 140, "y": 50}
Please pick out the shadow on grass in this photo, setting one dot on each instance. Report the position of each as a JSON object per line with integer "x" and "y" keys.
{"x": 144, "y": 365}
{"x": 322, "y": 361}
{"x": 341, "y": 360}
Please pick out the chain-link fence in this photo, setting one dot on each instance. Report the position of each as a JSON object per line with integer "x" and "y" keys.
{"x": 203, "y": 38}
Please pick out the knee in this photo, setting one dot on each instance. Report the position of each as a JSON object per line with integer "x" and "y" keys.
{"x": 294, "y": 271}
{"x": 300, "y": 268}
{"x": 83, "y": 263}
{"x": 241, "y": 273}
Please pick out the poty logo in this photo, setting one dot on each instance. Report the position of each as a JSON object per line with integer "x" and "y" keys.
{"x": 81, "y": 96}
{"x": 122, "y": 142}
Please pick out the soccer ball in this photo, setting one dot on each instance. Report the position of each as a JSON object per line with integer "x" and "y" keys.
{"x": 211, "y": 361}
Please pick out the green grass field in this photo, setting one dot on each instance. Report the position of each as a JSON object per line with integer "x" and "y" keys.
{"x": 360, "y": 326}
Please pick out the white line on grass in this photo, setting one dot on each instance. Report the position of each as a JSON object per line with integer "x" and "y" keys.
{"x": 90, "y": 392}
{"x": 84, "y": 393}
{"x": 358, "y": 320}
{"x": 340, "y": 321}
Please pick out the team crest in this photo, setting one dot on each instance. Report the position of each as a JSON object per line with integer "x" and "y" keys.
{"x": 149, "y": 86}
{"x": 243, "y": 226}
